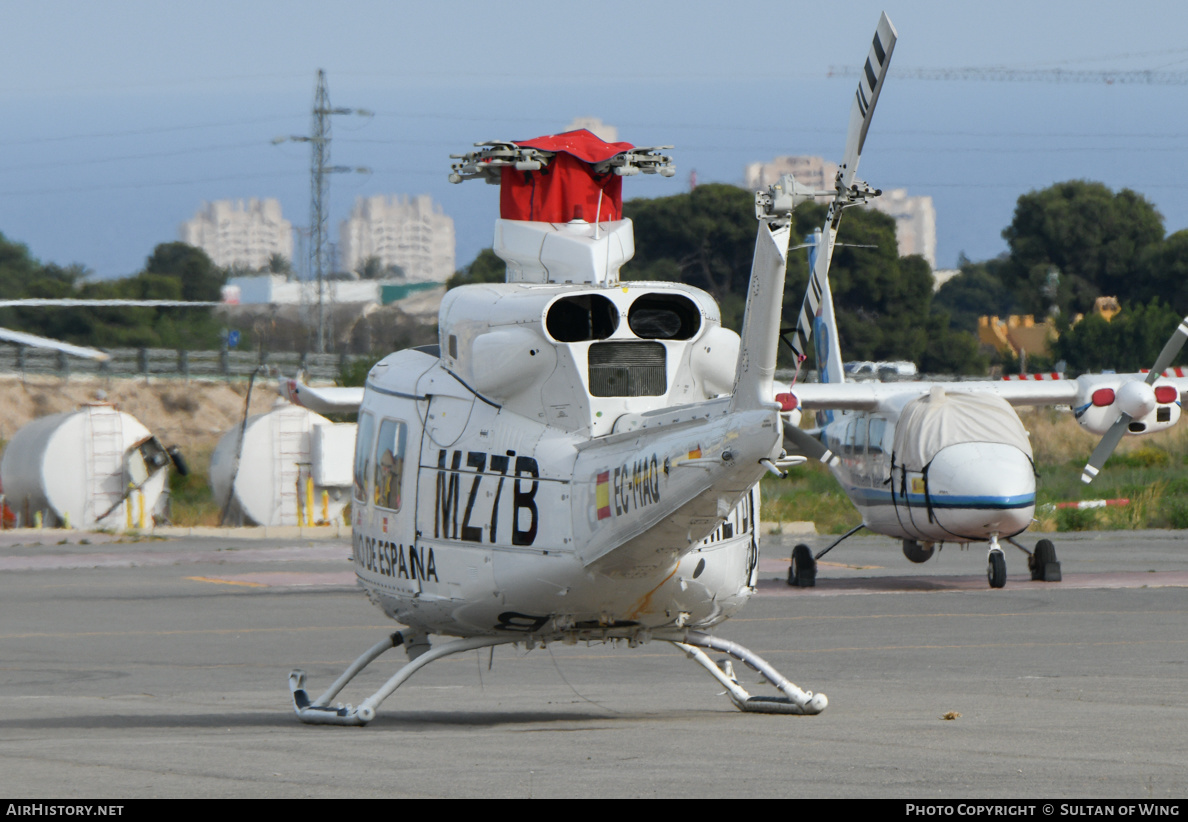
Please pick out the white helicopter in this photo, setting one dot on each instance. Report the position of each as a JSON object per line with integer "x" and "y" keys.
{"x": 578, "y": 459}
{"x": 930, "y": 463}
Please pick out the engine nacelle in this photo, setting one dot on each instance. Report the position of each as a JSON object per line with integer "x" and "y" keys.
{"x": 1102, "y": 399}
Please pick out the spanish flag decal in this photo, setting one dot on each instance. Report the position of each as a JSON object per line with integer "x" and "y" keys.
{"x": 602, "y": 495}
{"x": 695, "y": 454}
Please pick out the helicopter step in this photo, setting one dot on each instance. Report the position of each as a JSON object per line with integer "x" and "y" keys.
{"x": 322, "y": 712}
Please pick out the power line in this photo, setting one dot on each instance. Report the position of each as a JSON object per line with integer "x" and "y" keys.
{"x": 142, "y": 131}
{"x": 128, "y": 157}
{"x": 1056, "y": 75}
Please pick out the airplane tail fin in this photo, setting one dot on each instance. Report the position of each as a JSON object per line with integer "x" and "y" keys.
{"x": 824, "y": 324}
{"x": 827, "y": 346}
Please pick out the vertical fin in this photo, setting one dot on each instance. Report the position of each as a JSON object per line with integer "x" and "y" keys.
{"x": 754, "y": 374}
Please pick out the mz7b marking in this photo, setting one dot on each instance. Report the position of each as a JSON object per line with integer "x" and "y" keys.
{"x": 448, "y": 495}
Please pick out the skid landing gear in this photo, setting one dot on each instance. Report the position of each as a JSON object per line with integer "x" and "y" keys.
{"x": 320, "y": 711}
{"x": 793, "y": 701}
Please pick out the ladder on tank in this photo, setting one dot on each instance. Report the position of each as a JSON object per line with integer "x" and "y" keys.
{"x": 291, "y": 447}
{"x": 105, "y": 463}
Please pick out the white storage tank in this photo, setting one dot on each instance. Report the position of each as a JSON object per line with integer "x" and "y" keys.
{"x": 290, "y": 456}
{"x": 90, "y": 468}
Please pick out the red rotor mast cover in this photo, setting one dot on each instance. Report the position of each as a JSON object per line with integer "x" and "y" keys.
{"x": 567, "y": 188}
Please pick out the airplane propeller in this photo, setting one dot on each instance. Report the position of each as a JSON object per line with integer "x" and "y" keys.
{"x": 799, "y": 441}
{"x": 1135, "y": 399}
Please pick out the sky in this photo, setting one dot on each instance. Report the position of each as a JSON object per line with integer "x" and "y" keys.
{"x": 122, "y": 118}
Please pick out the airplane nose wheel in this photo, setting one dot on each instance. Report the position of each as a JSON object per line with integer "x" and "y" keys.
{"x": 996, "y": 565}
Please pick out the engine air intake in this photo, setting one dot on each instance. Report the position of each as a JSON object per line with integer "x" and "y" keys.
{"x": 628, "y": 369}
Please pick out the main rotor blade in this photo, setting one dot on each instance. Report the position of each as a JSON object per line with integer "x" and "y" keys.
{"x": 33, "y": 302}
{"x": 33, "y": 341}
{"x": 1169, "y": 352}
{"x": 1104, "y": 448}
{"x": 797, "y": 441}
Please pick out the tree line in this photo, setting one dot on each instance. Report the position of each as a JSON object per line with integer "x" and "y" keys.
{"x": 174, "y": 271}
{"x": 1067, "y": 245}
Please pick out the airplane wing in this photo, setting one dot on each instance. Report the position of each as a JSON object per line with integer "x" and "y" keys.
{"x": 330, "y": 400}
{"x": 32, "y": 340}
{"x": 870, "y": 396}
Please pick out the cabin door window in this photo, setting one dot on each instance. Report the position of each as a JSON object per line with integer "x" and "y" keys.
{"x": 389, "y": 464}
{"x": 878, "y": 464}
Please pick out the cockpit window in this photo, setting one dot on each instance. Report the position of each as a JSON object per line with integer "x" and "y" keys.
{"x": 581, "y": 318}
{"x": 664, "y": 317}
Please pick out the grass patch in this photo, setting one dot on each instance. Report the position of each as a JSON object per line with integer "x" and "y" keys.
{"x": 808, "y": 493}
{"x": 191, "y": 501}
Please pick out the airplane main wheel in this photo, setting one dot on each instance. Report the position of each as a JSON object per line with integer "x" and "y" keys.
{"x": 996, "y": 569}
{"x": 1044, "y": 567}
{"x": 916, "y": 552}
{"x": 803, "y": 573}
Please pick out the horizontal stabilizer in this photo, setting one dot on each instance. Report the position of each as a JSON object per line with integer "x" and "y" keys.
{"x": 330, "y": 400}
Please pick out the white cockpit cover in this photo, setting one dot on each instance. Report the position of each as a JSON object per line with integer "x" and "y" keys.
{"x": 939, "y": 419}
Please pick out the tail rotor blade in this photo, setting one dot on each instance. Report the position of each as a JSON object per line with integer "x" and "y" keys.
{"x": 1169, "y": 352}
{"x": 1104, "y": 448}
{"x": 870, "y": 84}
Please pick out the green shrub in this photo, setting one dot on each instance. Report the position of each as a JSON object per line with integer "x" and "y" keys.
{"x": 1076, "y": 519}
{"x": 1145, "y": 457}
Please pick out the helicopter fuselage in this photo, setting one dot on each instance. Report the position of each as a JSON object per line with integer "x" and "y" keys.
{"x": 567, "y": 461}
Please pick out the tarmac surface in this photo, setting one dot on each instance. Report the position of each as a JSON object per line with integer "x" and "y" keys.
{"x": 159, "y": 668}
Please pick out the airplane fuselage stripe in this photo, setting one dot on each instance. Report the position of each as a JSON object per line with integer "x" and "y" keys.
{"x": 870, "y": 496}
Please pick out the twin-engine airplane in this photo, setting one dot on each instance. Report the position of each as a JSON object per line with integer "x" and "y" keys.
{"x": 932, "y": 463}
{"x": 578, "y": 459}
